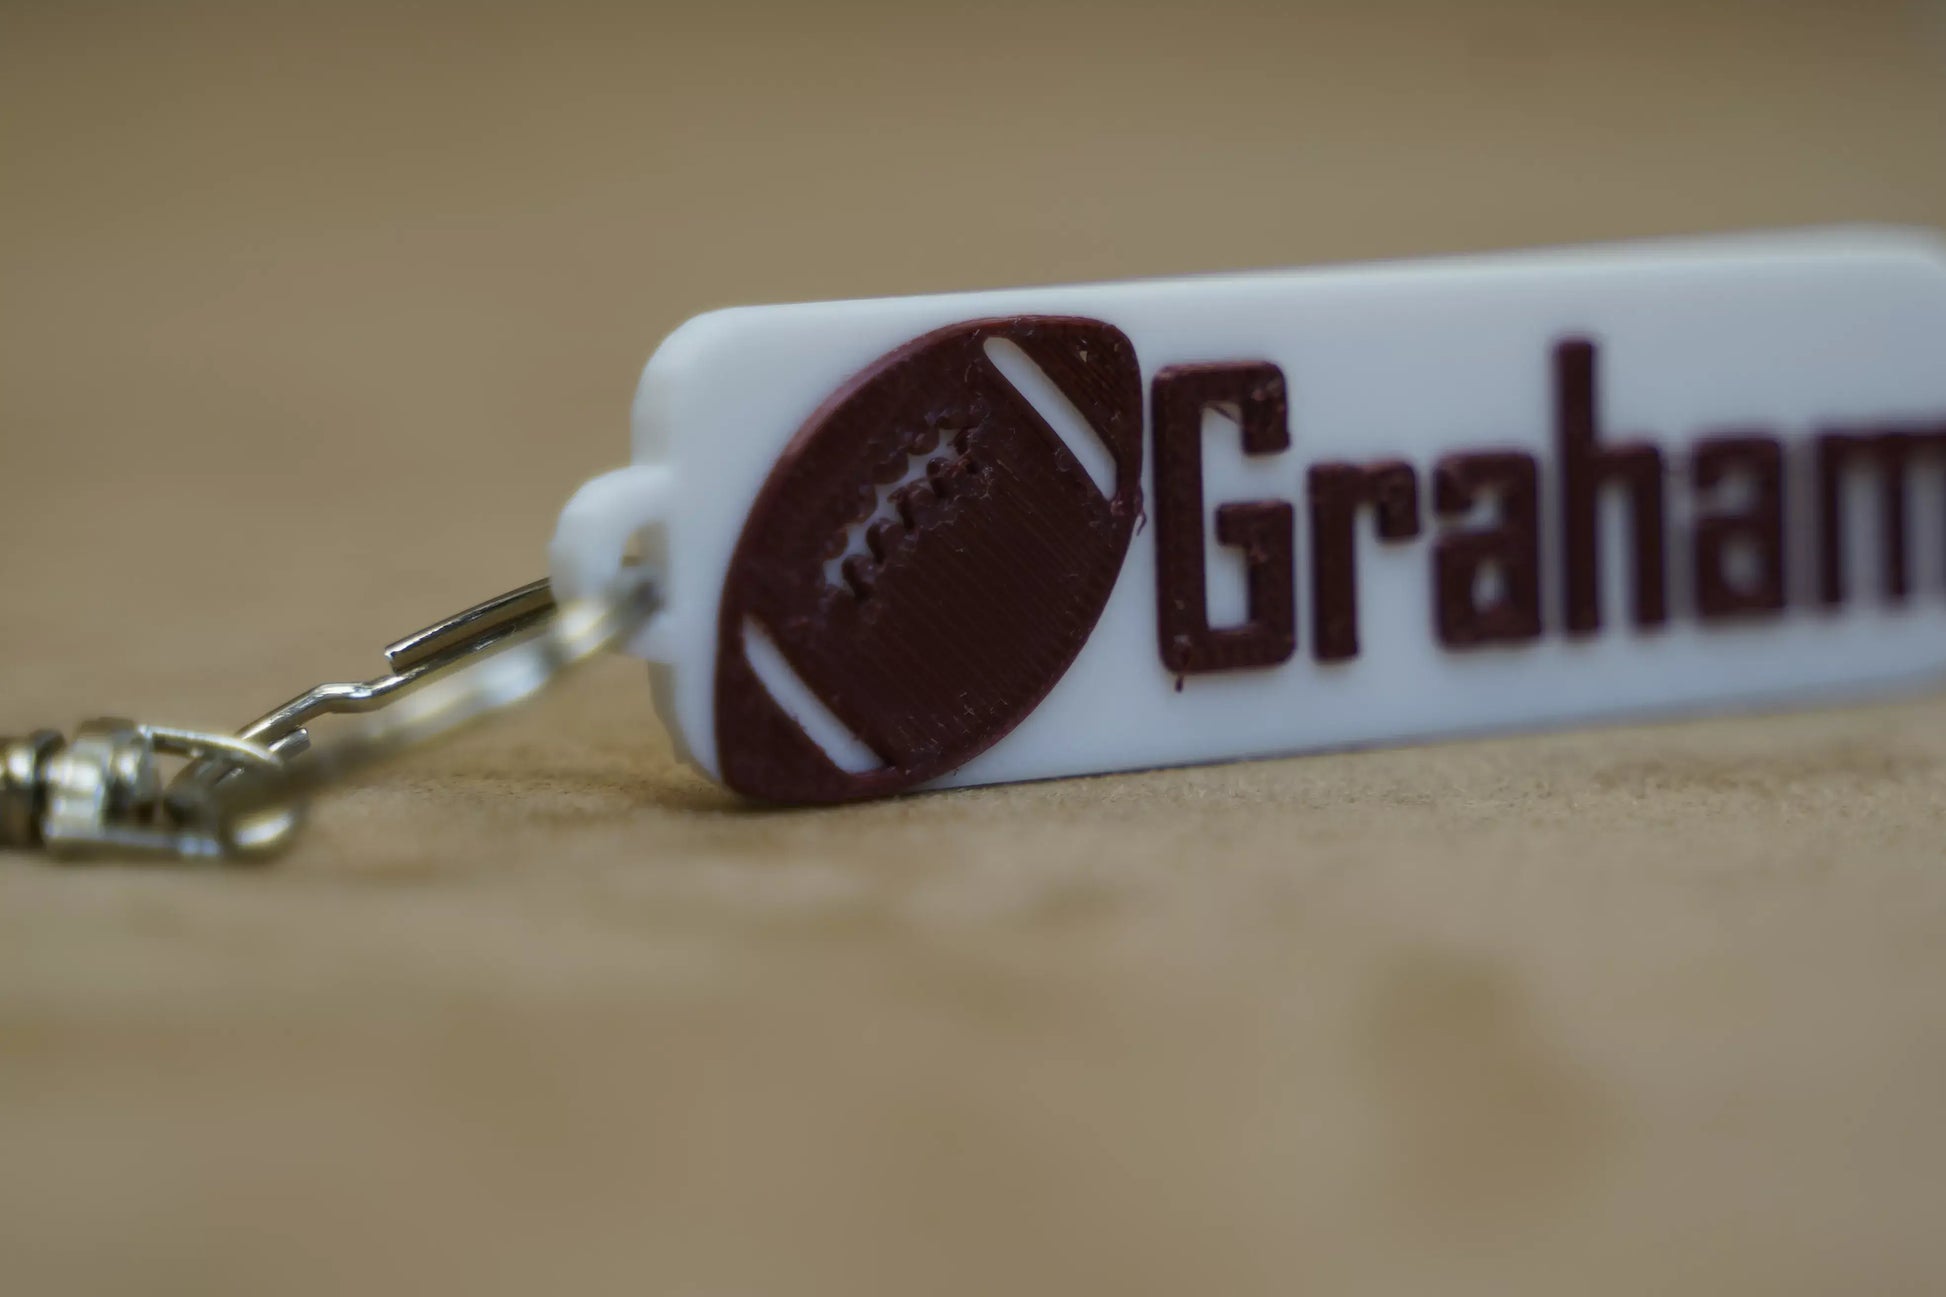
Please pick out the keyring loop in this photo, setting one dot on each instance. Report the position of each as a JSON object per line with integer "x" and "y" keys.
{"x": 476, "y": 663}
{"x": 243, "y": 796}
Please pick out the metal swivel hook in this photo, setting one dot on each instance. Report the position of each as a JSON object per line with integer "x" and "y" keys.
{"x": 101, "y": 793}
{"x": 243, "y": 796}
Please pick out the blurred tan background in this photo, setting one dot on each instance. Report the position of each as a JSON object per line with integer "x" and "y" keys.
{"x": 310, "y": 317}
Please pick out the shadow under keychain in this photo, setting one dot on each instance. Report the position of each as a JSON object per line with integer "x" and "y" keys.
{"x": 974, "y": 538}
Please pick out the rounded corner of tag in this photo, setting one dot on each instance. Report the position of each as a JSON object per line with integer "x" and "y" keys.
{"x": 692, "y": 746}
{"x": 694, "y": 340}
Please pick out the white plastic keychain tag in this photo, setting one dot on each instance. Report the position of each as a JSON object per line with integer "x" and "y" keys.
{"x": 972, "y": 538}
{"x": 967, "y": 539}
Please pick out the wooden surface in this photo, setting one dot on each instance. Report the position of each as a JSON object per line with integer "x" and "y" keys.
{"x": 311, "y": 316}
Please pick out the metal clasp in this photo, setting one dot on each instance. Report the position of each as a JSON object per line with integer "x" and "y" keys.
{"x": 101, "y": 793}
{"x": 243, "y": 796}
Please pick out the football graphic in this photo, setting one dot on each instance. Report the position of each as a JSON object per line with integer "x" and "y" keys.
{"x": 927, "y": 557}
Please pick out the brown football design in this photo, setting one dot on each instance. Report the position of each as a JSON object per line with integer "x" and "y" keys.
{"x": 927, "y": 558}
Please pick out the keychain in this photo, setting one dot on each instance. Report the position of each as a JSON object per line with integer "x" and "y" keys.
{"x": 875, "y": 546}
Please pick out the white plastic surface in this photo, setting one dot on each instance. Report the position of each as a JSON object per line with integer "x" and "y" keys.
{"x": 1791, "y": 334}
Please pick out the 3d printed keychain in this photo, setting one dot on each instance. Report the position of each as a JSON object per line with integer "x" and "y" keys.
{"x": 963, "y": 539}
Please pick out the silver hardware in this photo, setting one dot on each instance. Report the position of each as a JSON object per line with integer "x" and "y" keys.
{"x": 100, "y": 792}
{"x": 23, "y": 787}
{"x": 243, "y": 796}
